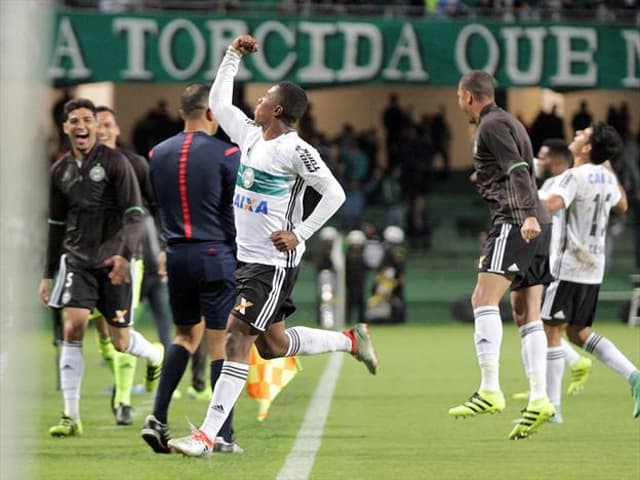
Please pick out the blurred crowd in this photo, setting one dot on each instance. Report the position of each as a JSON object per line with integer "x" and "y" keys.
{"x": 507, "y": 10}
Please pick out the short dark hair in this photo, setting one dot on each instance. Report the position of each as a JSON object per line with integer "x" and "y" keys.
{"x": 605, "y": 142}
{"x": 194, "y": 100}
{"x": 558, "y": 146}
{"x": 293, "y": 100}
{"x": 104, "y": 108}
{"x": 480, "y": 83}
{"x": 75, "y": 104}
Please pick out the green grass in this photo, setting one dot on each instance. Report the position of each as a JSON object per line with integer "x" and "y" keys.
{"x": 393, "y": 426}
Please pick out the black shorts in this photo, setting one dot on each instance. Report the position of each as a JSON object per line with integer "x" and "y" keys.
{"x": 201, "y": 282}
{"x": 506, "y": 253}
{"x": 91, "y": 288}
{"x": 568, "y": 302}
{"x": 264, "y": 294}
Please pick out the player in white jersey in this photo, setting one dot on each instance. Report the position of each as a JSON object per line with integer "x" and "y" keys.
{"x": 276, "y": 166}
{"x": 555, "y": 159}
{"x": 588, "y": 192}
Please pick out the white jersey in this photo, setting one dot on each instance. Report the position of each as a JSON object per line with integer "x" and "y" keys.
{"x": 272, "y": 178}
{"x": 589, "y": 191}
{"x": 558, "y": 225}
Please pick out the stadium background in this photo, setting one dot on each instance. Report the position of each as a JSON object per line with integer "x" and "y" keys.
{"x": 441, "y": 271}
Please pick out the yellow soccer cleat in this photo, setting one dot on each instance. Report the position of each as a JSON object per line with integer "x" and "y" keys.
{"x": 67, "y": 427}
{"x": 536, "y": 413}
{"x": 580, "y": 372}
{"x": 482, "y": 401}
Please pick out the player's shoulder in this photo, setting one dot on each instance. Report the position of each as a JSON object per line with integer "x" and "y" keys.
{"x": 110, "y": 157}
{"x": 300, "y": 151}
{"x": 165, "y": 145}
{"x": 297, "y": 146}
{"x": 60, "y": 164}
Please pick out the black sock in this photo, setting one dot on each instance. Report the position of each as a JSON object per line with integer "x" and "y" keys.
{"x": 226, "y": 431}
{"x": 175, "y": 363}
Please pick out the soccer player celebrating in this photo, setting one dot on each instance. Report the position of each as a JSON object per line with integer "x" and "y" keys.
{"x": 555, "y": 161}
{"x": 515, "y": 255}
{"x": 275, "y": 167}
{"x": 95, "y": 222}
{"x": 588, "y": 192}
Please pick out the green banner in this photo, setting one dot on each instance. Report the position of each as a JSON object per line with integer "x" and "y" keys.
{"x": 323, "y": 52}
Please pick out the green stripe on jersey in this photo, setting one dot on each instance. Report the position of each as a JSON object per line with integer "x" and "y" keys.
{"x": 517, "y": 165}
{"x": 262, "y": 182}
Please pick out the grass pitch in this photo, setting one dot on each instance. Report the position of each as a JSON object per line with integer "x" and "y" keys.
{"x": 392, "y": 426}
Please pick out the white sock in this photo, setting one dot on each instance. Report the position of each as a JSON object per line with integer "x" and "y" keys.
{"x": 608, "y": 353}
{"x": 534, "y": 357}
{"x": 229, "y": 386}
{"x": 570, "y": 355}
{"x": 555, "y": 371}
{"x": 71, "y": 368}
{"x": 141, "y": 347}
{"x": 488, "y": 339}
{"x": 311, "y": 341}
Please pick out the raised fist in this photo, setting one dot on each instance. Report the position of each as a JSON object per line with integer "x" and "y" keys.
{"x": 245, "y": 44}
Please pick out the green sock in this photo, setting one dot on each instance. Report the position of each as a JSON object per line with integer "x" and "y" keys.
{"x": 634, "y": 378}
{"x": 125, "y": 369}
{"x": 107, "y": 350}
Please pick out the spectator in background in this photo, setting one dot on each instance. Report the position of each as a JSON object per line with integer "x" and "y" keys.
{"x": 582, "y": 118}
{"x": 57, "y": 115}
{"x": 441, "y": 138}
{"x": 394, "y": 120}
{"x": 307, "y": 124}
{"x": 355, "y": 276}
{"x": 546, "y": 125}
{"x": 156, "y": 126}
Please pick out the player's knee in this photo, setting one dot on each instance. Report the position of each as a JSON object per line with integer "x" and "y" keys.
{"x": 268, "y": 352}
{"x": 576, "y": 335}
{"x": 478, "y": 298}
{"x": 73, "y": 332}
{"x": 120, "y": 343}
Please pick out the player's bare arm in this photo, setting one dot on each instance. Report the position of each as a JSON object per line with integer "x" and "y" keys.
{"x": 530, "y": 229}
{"x": 119, "y": 273}
{"x": 622, "y": 205}
{"x": 554, "y": 203}
{"x": 44, "y": 291}
{"x": 284, "y": 240}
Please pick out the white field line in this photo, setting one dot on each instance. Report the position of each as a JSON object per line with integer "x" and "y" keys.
{"x": 300, "y": 460}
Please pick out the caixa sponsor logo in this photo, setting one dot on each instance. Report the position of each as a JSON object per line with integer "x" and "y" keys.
{"x": 250, "y": 204}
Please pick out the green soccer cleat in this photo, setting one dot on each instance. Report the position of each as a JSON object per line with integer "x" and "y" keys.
{"x": 634, "y": 380}
{"x": 152, "y": 376}
{"x": 579, "y": 375}
{"x": 536, "y": 413}
{"x": 482, "y": 401}
{"x": 66, "y": 428}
